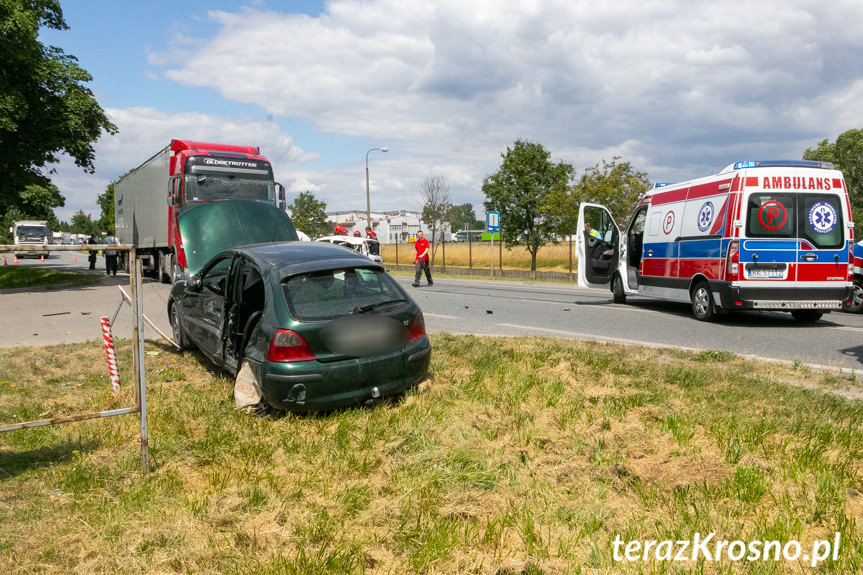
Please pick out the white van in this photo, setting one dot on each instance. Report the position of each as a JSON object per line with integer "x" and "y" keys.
{"x": 366, "y": 246}
{"x": 764, "y": 235}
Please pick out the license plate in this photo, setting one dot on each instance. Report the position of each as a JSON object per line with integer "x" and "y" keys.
{"x": 766, "y": 274}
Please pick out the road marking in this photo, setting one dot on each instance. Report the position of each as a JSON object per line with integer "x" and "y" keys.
{"x": 440, "y": 316}
{"x": 848, "y": 328}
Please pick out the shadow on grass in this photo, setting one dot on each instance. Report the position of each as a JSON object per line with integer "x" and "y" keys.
{"x": 14, "y": 463}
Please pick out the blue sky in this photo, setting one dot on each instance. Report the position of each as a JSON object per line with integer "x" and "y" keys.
{"x": 678, "y": 88}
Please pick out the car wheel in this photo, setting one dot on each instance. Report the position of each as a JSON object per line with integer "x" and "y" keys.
{"x": 702, "y": 302}
{"x": 855, "y": 302}
{"x": 617, "y": 290}
{"x": 177, "y": 328}
{"x": 807, "y": 315}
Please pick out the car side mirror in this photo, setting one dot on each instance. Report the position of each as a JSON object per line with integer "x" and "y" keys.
{"x": 194, "y": 283}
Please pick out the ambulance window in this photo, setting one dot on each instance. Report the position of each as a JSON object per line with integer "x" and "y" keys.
{"x": 637, "y": 225}
{"x": 655, "y": 220}
{"x": 820, "y": 220}
{"x": 771, "y": 216}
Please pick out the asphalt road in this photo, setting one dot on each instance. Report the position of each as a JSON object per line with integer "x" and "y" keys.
{"x": 468, "y": 307}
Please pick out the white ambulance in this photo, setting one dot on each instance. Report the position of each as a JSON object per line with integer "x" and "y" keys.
{"x": 770, "y": 235}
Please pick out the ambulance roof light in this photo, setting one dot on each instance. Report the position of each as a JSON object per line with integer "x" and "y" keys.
{"x": 783, "y": 164}
{"x": 659, "y": 185}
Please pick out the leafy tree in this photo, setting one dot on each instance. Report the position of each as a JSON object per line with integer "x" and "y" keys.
{"x": 613, "y": 184}
{"x": 106, "y": 203}
{"x": 847, "y": 155}
{"x": 521, "y": 191}
{"x": 437, "y": 200}
{"x": 83, "y": 224}
{"x": 310, "y": 215}
{"x": 45, "y": 108}
{"x": 463, "y": 217}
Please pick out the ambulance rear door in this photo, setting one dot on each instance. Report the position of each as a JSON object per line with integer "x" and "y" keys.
{"x": 597, "y": 247}
{"x": 796, "y": 230}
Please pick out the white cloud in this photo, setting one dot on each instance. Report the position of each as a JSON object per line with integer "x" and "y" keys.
{"x": 678, "y": 88}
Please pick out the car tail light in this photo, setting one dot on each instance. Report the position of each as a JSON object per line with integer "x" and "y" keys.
{"x": 288, "y": 346}
{"x": 418, "y": 326}
{"x": 732, "y": 262}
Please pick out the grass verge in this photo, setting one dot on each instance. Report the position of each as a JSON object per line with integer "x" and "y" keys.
{"x": 15, "y": 277}
{"x": 521, "y": 456}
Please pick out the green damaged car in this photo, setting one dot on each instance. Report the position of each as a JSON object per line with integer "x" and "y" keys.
{"x": 302, "y": 326}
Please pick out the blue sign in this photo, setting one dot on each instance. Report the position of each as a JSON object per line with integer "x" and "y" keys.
{"x": 492, "y": 221}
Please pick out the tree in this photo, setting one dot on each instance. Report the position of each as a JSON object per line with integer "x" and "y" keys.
{"x": 437, "y": 200}
{"x": 846, "y": 154}
{"x": 310, "y": 215}
{"x": 83, "y": 224}
{"x": 463, "y": 217}
{"x": 105, "y": 200}
{"x": 521, "y": 191}
{"x": 613, "y": 184}
{"x": 45, "y": 108}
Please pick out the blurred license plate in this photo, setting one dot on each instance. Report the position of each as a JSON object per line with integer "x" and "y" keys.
{"x": 766, "y": 274}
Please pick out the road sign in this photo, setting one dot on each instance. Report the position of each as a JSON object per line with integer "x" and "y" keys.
{"x": 492, "y": 221}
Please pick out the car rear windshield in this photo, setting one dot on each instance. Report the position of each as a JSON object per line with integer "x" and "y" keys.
{"x": 328, "y": 294}
{"x": 815, "y": 217}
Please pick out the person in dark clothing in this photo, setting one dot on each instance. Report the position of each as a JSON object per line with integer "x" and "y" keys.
{"x": 111, "y": 256}
{"x": 92, "y": 258}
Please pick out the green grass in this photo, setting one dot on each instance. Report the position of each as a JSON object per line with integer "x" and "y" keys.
{"x": 13, "y": 277}
{"x": 521, "y": 456}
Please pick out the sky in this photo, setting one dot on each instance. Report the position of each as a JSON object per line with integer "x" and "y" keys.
{"x": 680, "y": 89}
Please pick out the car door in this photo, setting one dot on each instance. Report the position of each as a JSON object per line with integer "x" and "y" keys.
{"x": 598, "y": 251}
{"x": 205, "y": 308}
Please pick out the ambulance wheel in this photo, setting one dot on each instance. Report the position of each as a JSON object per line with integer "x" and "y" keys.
{"x": 855, "y": 302}
{"x": 702, "y": 302}
{"x": 617, "y": 290}
{"x": 807, "y": 315}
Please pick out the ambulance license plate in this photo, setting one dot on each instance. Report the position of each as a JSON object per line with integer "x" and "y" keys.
{"x": 766, "y": 274}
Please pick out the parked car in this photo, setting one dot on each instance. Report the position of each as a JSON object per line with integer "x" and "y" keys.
{"x": 365, "y": 246}
{"x": 302, "y": 325}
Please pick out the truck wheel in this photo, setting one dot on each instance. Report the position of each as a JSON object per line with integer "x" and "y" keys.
{"x": 177, "y": 328}
{"x": 165, "y": 265}
{"x": 177, "y": 272}
{"x": 617, "y": 289}
{"x": 855, "y": 302}
{"x": 702, "y": 302}
{"x": 807, "y": 315}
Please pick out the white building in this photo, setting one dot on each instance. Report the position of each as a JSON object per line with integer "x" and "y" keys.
{"x": 390, "y": 227}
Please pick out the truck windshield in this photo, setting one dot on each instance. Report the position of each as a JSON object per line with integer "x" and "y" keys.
{"x": 208, "y": 187}
{"x": 32, "y": 232}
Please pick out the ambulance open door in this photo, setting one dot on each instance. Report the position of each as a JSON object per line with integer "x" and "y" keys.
{"x": 597, "y": 246}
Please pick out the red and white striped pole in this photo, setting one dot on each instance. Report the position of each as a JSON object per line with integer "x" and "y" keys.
{"x": 109, "y": 351}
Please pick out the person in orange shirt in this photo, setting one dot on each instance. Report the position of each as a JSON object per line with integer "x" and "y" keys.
{"x": 422, "y": 260}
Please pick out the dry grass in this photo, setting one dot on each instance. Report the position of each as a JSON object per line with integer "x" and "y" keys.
{"x": 549, "y": 258}
{"x": 521, "y": 456}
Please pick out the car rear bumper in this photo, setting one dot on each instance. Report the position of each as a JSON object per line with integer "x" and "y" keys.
{"x": 313, "y": 385}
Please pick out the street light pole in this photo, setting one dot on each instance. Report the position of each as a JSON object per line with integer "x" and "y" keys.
{"x": 368, "y": 198}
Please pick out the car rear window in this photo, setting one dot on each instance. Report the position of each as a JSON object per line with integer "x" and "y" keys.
{"x": 328, "y": 294}
{"x": 815, "y": 217}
